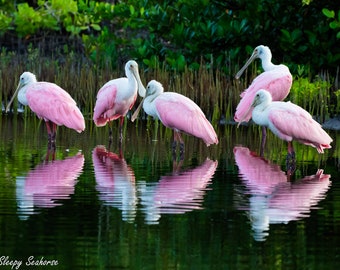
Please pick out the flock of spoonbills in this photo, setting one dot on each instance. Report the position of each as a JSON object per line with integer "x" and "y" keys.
{"x": 261, "y": 102}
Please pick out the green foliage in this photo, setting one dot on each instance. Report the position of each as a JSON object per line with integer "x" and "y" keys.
{"x": 53, "y": 15}
{"x": 312, "y": 96}
{"x": 335, "y": 23}
{"x": 27, "y": 20}
{"x": 185, "y": 33}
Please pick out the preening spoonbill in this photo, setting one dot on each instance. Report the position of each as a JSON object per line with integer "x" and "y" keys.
{"x": 178, "y": 113}
{"x": 117, "y": 97}
{"x": 289, "y": 122}
{"x": 276, "y": 79}
{"x": 49, "y": 102}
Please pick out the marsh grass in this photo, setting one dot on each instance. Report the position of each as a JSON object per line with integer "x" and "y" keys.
{"x": 214, "y": 91}
{"x": 315, "y": 96}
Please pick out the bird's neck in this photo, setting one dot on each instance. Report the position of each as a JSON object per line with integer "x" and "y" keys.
{"x": 149, "y": 106}
{"x": 22, "y": 96}
{"x": 267, "y": 64}
{"x": 259, "y": 114}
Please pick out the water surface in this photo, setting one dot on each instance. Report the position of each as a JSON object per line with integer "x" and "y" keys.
{"x": 88, "y": 206}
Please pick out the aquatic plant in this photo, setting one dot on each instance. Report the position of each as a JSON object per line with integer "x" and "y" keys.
{"x": 313, "y": 96}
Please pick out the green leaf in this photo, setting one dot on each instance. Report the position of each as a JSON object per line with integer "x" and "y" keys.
{"x": 96, "y": 27}
{"x": 328, "y": 13}
{"x": 334, "y": 24}
{"x": 132, "y": 10}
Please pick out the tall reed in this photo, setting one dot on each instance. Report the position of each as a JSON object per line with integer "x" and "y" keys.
{"x": 216, "y": 92}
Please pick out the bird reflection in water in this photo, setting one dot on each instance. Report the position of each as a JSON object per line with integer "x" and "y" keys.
{"x": 115, "y": 182}
{"x": 273, "y": 198}
{"x": 178, "y": 193}
{"x": 48, "y": 183}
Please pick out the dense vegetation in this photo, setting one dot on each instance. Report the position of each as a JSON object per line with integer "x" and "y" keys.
{"x": 181, "y": 32}
{"x": 180, "y": 35}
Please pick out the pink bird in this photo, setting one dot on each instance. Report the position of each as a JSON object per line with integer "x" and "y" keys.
{"x": 50, "y": 103}
{"x": 178, "y": 113}
{"x": 276, "y": 79}
{"x": 117, "y": 97}
{"x": 289, "y": 122}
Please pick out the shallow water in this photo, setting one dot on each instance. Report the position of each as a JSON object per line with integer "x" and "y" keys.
{"x": 223, "y": 207}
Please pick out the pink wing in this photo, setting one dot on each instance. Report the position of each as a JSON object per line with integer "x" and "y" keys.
{"x": 289, "y": 121}
{"x": 181, "y": 113}
{"x": 109, "y": 106}
{"x": 278, "y": 82}
{"x": 103, "y": 110}
{"x": 52, "y": 103}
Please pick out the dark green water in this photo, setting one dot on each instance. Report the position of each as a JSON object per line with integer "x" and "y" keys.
{"x": 220, "y": 208}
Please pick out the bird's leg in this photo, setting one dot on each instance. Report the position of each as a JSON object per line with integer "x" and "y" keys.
{"x": 174, "y": 146}
{"x": 263, "y": 141}
{"x": 110, "y": 135}
{"x": 49, "y": 134}
{"x": 54, "y": 134}
{"x": 290, "y": 160}
{"x": 121, "y": 123}
{"x": 181, "y": 145}
{"x": 50, "y": 153}
{"x": 176, "y": 166}
{"x": 181, "y": 151}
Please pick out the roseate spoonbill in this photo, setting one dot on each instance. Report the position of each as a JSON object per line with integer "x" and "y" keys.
{"x": 178, "y": 113}
{"x": 289, "y": 122}
{"x": 117, "y": 97}
{"x": 182, "y": 191}
{"x": 115, "y": 182}
{"x": 276, "y": 79}
{"x": 272, "y": 197}
{"x": 49, "y": 102}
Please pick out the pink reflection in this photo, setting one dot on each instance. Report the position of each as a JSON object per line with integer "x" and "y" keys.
{"x": 48, "y": 183}
{"x": 115, "y": 182}
{"x": 273, "y": 198}
{"x": 177, "y": 193}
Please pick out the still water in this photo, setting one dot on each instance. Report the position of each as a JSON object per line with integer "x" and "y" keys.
{"x": 87, "y": 206}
